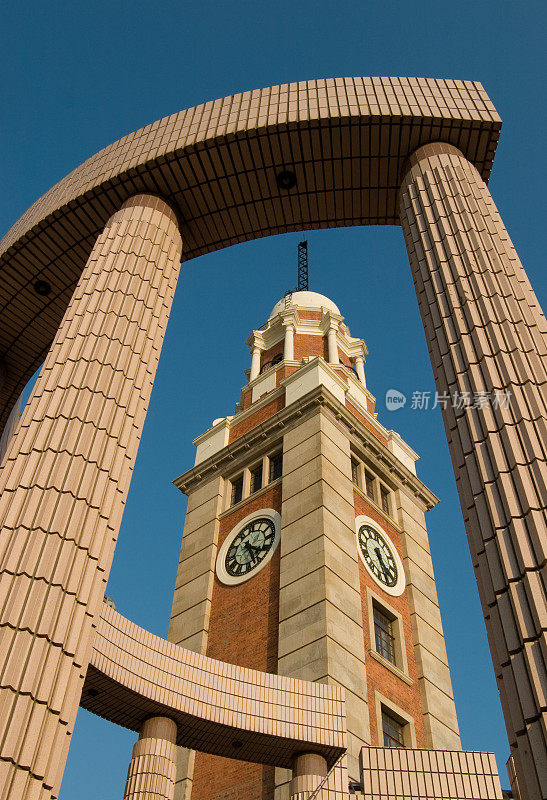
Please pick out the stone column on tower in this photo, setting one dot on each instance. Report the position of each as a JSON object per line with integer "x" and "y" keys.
{"x": 487, "y": 339}
{"x": 288, "y": 349}
{"x": 257, "y": 346}
{"x": 360, "y": 369}
{"x": 291, "y": 323}
{"x": 333, "y": 343}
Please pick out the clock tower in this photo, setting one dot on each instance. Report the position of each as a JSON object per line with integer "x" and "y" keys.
{"x": 305, "y": 551}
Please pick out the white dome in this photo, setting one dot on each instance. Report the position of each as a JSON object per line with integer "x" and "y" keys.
{"x": 306, "y": 300}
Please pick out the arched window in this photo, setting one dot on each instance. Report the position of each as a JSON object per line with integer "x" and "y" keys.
{"x": 268, "y": 364}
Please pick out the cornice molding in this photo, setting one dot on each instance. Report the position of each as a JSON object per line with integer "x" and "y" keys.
{"x": 319, "y": 398}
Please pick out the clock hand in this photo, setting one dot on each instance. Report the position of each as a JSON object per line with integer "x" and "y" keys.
{"x": 385, "y": 567}
{"x": 252, "y": 550}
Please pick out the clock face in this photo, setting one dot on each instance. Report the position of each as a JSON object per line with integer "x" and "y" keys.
{"x": 248, "y": 547}
{"x": 379, "y": 556}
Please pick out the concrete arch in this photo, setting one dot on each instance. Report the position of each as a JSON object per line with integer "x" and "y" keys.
{"x": 134, "y": 675}
{"x": 345, "y": 140}
{"x": 92, "y": 267}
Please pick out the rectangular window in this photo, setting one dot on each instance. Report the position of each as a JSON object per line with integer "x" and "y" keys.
{"x": 384, "y": 496}
{"x": 237, "y": 490}
{"x": 393, "y": 731}
{"x": 256, "y": 478}
{"x": 369, "y": 485}
{"x": 383, "y": 635}
{"x": 276, "y": 466}
{"x": 354, "y": 472}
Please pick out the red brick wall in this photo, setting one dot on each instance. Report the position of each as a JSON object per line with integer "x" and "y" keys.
{"x": 252, "y": 607}
{"x": 366, "y": 423}
{"x": 344, "y": 359}
{"x": 267, "y": 355}
{"x": 379, "y": 677}
{"x": 284, "y": 372}
{"x": 243, "y": 630}
{"x": 217, "y": 778}
{"x": 261, "y": 415}
{"x": 306, "y": 344}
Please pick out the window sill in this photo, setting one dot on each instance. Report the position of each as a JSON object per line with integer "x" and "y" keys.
{"x": 396, "y": 671}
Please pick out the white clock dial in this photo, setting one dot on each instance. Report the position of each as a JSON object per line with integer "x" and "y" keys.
{"x": 248, "y": 547}
{"x": 379, "y": 555}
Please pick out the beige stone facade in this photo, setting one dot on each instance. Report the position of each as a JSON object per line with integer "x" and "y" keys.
{"x": 104, "y": 246}
{"x": 320, "y": 619}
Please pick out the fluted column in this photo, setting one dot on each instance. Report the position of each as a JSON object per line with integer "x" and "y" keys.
{"x": 64, "y": 484}
{"x": 487, "y": 339}
{"x": 153, "y": 767}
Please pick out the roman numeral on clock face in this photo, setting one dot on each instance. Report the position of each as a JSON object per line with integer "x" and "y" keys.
{"x": 377, "y": 555}
{"x": 249, "y": 547}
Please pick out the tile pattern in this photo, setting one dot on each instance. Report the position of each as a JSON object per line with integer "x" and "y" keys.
{"x": 134, "y": 674}
{"x": 486, "y": 333}
{"x": 64, "y": 483}
{"x": 153, "y": 770}
{"x": 346, "y": 140}
{"x": 333, "y": 787}
{"x": 398, "y": 774}
{"x": 410, "y": 774}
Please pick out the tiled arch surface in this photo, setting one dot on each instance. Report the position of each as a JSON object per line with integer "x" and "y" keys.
{"x": 347, "y": 143}
{"x": 134, "y": 674}
{"x": 346, "y": 140}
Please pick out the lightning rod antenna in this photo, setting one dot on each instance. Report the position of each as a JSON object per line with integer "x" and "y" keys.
{"x": 303, "y": 266}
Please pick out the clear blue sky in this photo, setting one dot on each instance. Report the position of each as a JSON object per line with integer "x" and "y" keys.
{"x": 77, "y": 76}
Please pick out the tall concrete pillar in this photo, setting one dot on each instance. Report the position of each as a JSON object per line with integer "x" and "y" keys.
{"x": 308, "y": 773}
{"x": 487, "y": 337}
{"x": 64, "y": 484}
{"x": 10, "y": 426}
{"x": 152, "y": 769}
